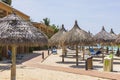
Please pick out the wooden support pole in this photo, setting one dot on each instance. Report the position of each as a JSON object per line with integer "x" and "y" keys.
{"x": 112, "y": 59}
{"x": 48, "y": 50}
{"x": 76, "y": 55}
{"x": 62, "y": 58}
{"x": 102, "y": 54}
{"x": 107, "y": 50}
{"x": 63, "y": 53}
{"x": 13, "y": 66}
{"x": 42, "y": 55}
{"x": 83, "y": 53}
{"x": 102, "y": 57}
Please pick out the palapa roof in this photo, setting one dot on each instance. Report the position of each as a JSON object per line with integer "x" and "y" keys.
{"x": 16, "y": 30}
{"x": 103, "y": 36}
{"x": 90, "y": 34}
{"x": 118, "y": 39}
{"x": 76, "y": 36}
{"x": 111, "y": 31}
{"x": 113, "y": 34}
{"x": 55, "y": 39}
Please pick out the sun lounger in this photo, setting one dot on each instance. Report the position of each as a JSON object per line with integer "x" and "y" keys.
{"x": 93, "y": 53}
{"x": 54, "y": 51}
{"x": 19, "y": 57}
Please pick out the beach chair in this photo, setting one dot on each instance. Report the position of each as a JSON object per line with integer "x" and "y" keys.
{"x": 19, "y": 57}
{"x": 93, "y": 53}
{"x": 98, "y": 52}
{"x": 54, "y": 51}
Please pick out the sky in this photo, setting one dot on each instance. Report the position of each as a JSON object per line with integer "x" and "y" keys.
{"x": 91, "y": 15}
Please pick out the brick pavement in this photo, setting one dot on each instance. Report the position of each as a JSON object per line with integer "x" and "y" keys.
{"x": 106, "y": 75}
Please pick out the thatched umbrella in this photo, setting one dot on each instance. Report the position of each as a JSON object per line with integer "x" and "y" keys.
{"x": 15, "y": 31}
{"x": 118, "y": 39}
{"x": 76, "y": 36}
{"x": 92, "y": 43}
{"x": 55, "y": 39}
{"x": 113, "y": 34}
{"x": 104, "y": 38}
{"x": 90, "y": 34}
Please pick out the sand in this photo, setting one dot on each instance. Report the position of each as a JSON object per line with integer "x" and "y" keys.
{"x": 25, "y": 72}
{"x": 31, "y": 73}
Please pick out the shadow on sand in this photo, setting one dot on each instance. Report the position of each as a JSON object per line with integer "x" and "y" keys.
{"x": 83, "y": 66}
{"x": 4, "y": 67}
{"x": 118, "y": 63}
{"x": 96, "y": 66}
{"x": 27, "y": 57}
{"x": 97, "y": 60}
{"x": 70, "y": 56}
{"x": 79, "y": 66}
{"x": 24, "y": 58}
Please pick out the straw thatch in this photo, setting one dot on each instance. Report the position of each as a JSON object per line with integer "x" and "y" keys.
{"x": 90, "y": 34}
{"x": 15, "y": 30}
{"x": 55, "y": 39}
{"x": 76, "y": 36}
{"x": 103, "y": 36}
{"x": 118, "y": 39}
{"x": 113, "y": 34}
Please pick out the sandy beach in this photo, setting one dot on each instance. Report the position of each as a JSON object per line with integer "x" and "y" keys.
{"x": 70, "y": 61}
{"x": 28, "y": 68}
{"x": 32, "y": 73}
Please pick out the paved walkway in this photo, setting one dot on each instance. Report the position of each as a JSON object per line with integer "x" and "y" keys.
{"x": 107, "y": 75}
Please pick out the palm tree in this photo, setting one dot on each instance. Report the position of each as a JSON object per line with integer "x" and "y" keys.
{"x": 46, "y": 21}
{"x": 7, "y": 1}
{"x": 56, "y": 28}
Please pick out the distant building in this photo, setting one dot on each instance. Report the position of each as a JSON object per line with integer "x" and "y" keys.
{"x": 6, "y": 9}
{"x": 46, "y": 29}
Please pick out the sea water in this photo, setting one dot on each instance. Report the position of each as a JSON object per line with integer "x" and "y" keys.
{"x": 114, "y": 48}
